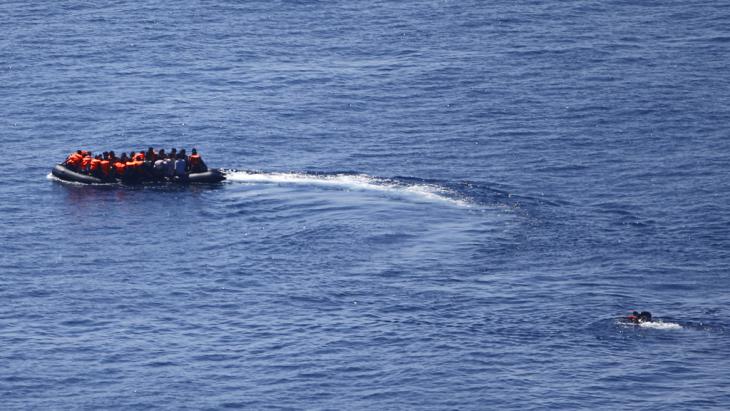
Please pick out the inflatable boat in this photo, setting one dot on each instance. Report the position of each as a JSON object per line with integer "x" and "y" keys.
{"x": 213, "y": 175}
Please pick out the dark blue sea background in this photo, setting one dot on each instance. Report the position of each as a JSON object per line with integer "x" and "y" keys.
{"x": 430, "y": 205}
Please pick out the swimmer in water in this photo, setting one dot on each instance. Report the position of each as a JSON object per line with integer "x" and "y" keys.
{"x": 639, "y": 317}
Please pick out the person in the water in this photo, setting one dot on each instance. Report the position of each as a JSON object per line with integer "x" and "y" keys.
{"x": 639, "y": 317}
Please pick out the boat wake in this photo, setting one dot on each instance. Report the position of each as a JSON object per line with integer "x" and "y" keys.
{"x": 659, "y": 325}
{"x": 651, "y": 325}
{"x": 354, "y": 182}
{"x": 463, "y": 194}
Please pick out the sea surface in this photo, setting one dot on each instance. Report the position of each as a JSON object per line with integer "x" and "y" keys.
{"x": 430, "y": 205}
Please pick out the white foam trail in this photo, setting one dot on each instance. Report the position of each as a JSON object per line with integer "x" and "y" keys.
{"x": 350, "y": 182}
{"x": 659, "y": 325}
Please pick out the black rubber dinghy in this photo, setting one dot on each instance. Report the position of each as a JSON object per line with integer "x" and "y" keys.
{"x": 60, "y": 171}
{"x": 213, "y": 175}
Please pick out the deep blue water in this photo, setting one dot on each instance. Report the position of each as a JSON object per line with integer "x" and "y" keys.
{"x": 437, "y": 205}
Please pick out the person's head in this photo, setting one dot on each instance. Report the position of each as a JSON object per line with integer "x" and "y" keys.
{"x": 150, "y": 150}
{"x": 182, "y": 151}
{"x": 194, "y": 151}
{"x": 162, "y": 153}
{"x": 79, "y": 152}
{"x": 124, "y": 157}
{"x": 173, "y": 150}
{"x": 645, "y": 316}
{"x": 111, "y": 154}
{"x": 98, "y": 157}
{"x": 105, "y": 155}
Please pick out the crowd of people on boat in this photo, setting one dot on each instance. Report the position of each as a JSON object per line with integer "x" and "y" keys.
{"x": 149, "y": 165}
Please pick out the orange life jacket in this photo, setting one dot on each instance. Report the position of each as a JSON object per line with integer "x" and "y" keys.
{"x": 104, "y": 167}
{"x": 119, "y": 168}
{"x": 85, "y": 162}
{"x": 74, "y": 159}
{"x": 138, "y": 157}
{"x": 194, "y": 160}
{"x": 95, "y": 164}
{"x": 131, "y": 164}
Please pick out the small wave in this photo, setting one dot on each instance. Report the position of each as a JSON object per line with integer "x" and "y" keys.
{"x": 659, "y": 325}
{"x": 426, "y": 191}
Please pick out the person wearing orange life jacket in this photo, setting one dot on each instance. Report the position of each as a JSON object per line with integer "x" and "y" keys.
{"x": 133, "y": 172}
{"x": 86, "y": 163}
{"x": 105, "y": 166}
{"x": 196, "y": 163}
{"x": 94, "y": 166}
{"x": 120, "y": 166}
{"x": 73, "y": 161}
{"x": 76, "y": 153}
{"x": 131, "y": 169}
{"x": 135, "y": 167}
{"x": 119, "y": 169}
